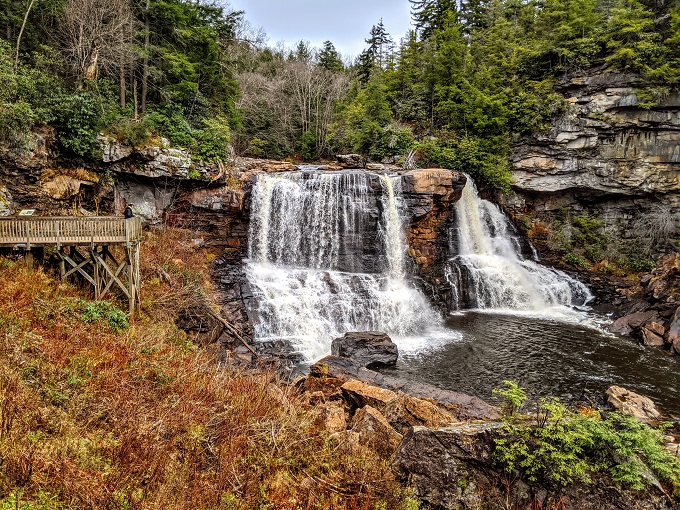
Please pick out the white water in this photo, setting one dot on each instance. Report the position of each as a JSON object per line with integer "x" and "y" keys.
{"x": 489, "y": 271}
{"x": 313, "y": 273}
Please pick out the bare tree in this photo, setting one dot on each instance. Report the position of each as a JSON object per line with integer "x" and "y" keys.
{"x": 97, "y": 36}
{"x": 284, "y": 99}
{"x": 21, "y": 32}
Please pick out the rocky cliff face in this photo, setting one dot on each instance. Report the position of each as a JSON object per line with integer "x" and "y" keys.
{"x": 608, "y": 155}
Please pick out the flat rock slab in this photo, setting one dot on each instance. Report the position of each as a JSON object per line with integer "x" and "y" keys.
{"x": 461, "y": 405}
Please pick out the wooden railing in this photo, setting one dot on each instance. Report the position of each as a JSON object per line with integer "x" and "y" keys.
{"x": 26, "y": 232}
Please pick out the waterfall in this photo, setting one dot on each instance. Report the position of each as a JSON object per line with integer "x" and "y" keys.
{"x": 326, "y": 256}
{"x": 488, "y": 270}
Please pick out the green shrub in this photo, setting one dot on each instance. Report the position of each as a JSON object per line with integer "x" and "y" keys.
{"x": 170, "y": 123}
{"x": 307, "y": 145}
{"x": 392, "y": 140}
{"x": 81, "y": 117}
{"x": 513, "y": 397}
{"x": 211, "y": 143}
{"x": 639, "y": 263}
{"x": 103, "y": 311}
{"x": 557, "y": 446}
{"x": 257, "y": 147}
{"x": 130, "y": 131}
{"x": 576, "y": 260}
{"x": 16, "y": 120}
{"x": 27, "y": 97}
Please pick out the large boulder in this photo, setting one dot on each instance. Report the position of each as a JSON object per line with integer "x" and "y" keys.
{"x": 673, "y": 337}
{"x": 627, "y": 324}
{"x": 632, "y": 404}
{"x": 350, "y": 160}
{"x": 359, "y": 394}
{"x": 435, "y": 181}
{"x": 370, "y": 349}
{"x": 330, "y": 417}
{"x": 406, "y": 411}
{"x": 401, "y": 411}
{"x": 453, "y": 468}
{"x": 650, "y": 337}
{"x": 441, "y": 465}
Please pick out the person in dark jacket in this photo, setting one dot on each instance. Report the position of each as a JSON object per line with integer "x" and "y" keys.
{"x": 129, "y": 213}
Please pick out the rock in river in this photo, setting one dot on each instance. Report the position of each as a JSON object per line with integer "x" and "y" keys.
{"x": 370, "y": 349}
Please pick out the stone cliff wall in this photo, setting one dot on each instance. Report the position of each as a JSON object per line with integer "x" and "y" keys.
{"x": 607, "y": 155}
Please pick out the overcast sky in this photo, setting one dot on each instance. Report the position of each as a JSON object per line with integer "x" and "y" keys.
{"x": 346, "y": 23}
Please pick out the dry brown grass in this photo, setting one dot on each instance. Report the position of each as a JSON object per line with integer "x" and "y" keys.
{"x": 142, "y": 419}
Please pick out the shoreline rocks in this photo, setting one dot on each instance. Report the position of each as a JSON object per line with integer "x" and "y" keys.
{"x": 633, "y": 404}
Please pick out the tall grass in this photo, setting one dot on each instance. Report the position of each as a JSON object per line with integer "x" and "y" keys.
{"x": 135, "y": 419}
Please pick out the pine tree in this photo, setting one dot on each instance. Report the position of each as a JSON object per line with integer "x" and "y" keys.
{"x": 378, "y": 53}
{"x": 301, "y": 53}
{"x": 380, "y": 43}
{"x": 329, "y": 58}
{"x": 474, "y": 14}
{"x": 430, "y": 15}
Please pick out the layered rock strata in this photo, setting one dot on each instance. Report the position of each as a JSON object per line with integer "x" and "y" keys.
{"x": 606, "y": 154}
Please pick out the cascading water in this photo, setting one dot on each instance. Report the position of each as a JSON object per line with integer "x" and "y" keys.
{"x": 327, "y": 256}
{"x": 489, "y": 271}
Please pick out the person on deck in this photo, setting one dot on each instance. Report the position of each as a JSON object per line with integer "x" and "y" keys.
{"x": 129, "y": 213}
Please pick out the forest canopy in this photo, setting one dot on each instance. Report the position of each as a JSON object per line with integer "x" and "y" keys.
{"x": 467, "y": 80}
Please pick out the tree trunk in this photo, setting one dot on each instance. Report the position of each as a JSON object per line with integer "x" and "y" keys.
{"x": 122, "y": 85}
{"x": 21, "y": 32}
{"x": 134, "y": 96}
{"x": 145, "y": 70}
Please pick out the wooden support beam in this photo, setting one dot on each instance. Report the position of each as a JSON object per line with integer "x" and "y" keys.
{"x": 111, "y": 276}
{"x": 62, "y": 264}
{"x": 78, "y": 268}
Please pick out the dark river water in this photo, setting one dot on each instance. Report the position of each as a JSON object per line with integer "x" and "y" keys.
{"x": 475, "y": 351}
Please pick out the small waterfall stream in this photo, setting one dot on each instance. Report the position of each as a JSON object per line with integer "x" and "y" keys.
{"x": 488, "y": 270}
{"x": 327, "y": 256}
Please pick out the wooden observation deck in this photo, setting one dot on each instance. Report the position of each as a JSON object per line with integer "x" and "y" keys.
{"x": 82, "y": 244}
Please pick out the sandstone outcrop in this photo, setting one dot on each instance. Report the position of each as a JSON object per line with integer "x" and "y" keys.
{"x": 331, "y": 373}
{"x": 375, "y": 432}
{"x": 633, "y": 404}
{"x": 606, "y": 155}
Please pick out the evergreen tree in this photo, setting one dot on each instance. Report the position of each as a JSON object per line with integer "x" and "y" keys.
{"x": 377, "y": 54}
{"x": 567, "y": 28}
{"x": 430, "y": 15}
{"x": 474, "y": 14}
{"x": 380, "y": 44}
{"x": 329, "y": 58}
{"x": 632, "y": 42}
{"x": 301, "y": 53}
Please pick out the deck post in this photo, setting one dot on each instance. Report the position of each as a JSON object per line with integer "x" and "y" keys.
{"x": 62, "y": 263}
